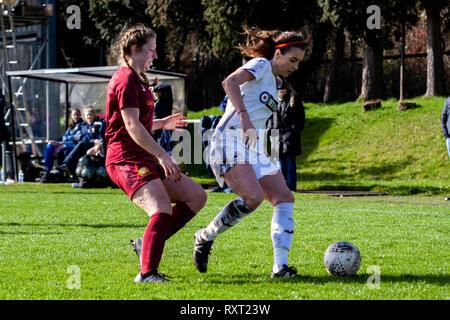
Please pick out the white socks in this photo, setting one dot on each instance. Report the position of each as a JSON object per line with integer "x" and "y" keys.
{"x": 229, "y": 216}
{"x": 282, "y": 232}
{"x": 282, "y": 228}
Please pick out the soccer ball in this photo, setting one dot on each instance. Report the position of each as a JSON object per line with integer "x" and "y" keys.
{"x": 342, "y": 258}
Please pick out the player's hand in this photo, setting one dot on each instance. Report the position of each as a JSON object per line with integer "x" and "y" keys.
{"x": 250, "y": 138}
{"x": 171, "y": 169}
{"x": 175, "y": 122}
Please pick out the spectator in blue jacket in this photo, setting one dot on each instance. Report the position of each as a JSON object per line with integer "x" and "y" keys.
{"x": 445, "y": 121}
{"x": 93, "y": 134}
{"x": 70, "y": 139}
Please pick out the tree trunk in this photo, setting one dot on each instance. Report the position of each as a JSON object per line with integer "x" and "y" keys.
{"x": 402, "y": 61}
{"x": 435, "y": 65}
{"x": 335, "y": 68}
{"x": 179, "y": 52}
{"x": 372, "y": 75}
{"x": 355, "y": 76}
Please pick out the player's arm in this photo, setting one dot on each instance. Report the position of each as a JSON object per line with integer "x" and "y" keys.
{"x": 143, "y": 138}
{"x": 139, "y": 133}
{"x": 172, "y": 122}
{"x": 231, "y": 86}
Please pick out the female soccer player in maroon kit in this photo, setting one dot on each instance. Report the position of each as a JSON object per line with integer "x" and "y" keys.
{"x": 134, "y": 160}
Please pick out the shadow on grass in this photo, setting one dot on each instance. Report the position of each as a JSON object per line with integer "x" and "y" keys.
{"x": 83, "y": 225}
{"x": 441, "y": 280}
{"x": 314, "y": 128}
{"x": 71, "y": 192}
{"x": 380, "y": 187}
{"x": 375, "y": 171}
{"x": 28, "y": 233}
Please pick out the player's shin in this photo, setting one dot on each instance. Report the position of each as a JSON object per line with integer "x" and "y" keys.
{"x": 282, "y": 232}
{"x": 229, "y": 216}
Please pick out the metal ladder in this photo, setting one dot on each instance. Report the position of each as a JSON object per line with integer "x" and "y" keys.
{"x": 9, "y": 63}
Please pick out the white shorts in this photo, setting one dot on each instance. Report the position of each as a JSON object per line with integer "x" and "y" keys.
{"x": 228, "y": 150}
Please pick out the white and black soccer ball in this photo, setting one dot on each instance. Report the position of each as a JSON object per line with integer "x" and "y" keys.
{"x": 342, "y": 258}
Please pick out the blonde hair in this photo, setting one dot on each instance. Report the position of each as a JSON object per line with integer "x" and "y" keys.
{"x": 88, "y": 108}
{"x": 137, "y": 35}
{"x": 261, "y": 43}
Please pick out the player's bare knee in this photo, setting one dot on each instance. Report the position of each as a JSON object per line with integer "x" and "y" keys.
{"x": 253, "y": 201}
{"x": 285, "y": 197}
{"x": 289, "y": 197}
{"x": 196, "y": 200}
{"x": 200, "y": 199}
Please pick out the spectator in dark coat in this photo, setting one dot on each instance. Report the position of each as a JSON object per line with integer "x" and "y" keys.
{"x": 163, "y": 108}
{"x": 445, "y": 121}
{"x": 289, "y": 119}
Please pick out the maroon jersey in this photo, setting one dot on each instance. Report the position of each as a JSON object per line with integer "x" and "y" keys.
{"x": 125, "y": 91}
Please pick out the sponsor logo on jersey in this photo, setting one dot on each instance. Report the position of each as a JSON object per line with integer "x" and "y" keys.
{"x": 267, "y": 99}
{"x": 143, "y": 172}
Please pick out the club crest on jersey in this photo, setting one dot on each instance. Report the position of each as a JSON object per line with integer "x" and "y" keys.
{"x": 143, "y": 172}
{"x": 267, "y": 99}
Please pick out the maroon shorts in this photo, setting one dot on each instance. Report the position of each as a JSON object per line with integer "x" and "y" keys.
{"x": 130, "y": 176}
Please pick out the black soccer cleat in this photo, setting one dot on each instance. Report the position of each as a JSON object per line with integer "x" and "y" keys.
{"x": 202, "y": 250}
{"x": 286, "y": 272}
{"x": 151, "y": 277}
{"x": 137, "y": 247}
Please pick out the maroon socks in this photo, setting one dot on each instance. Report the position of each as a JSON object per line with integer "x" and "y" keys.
{"x": 160, "y": 228}
{"x": 181, "y": 214}
{"x": 153, "y": 241}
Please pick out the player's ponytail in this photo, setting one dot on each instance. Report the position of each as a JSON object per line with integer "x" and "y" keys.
{"x": 263, "y": 43}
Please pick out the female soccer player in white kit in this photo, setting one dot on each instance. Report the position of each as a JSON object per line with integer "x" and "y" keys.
{"x": 237, "y": 156}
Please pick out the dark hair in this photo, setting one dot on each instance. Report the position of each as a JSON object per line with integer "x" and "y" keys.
{"x": 72, "y": 124}
{"x": 137, "y": 35}
{"x": 262, "y": 43}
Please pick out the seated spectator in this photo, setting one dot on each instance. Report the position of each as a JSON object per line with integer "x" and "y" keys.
{"x": 60, "y": 149}
{"x": 93, "y": 134}
{"x": 90, "y": 171}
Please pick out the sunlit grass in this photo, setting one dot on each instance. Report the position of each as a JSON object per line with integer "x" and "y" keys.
{"x": 46, "y": 229}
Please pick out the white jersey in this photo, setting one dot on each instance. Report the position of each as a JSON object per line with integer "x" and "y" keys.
{"x": 260, "y": 100}
{"x": 259, "y": 96}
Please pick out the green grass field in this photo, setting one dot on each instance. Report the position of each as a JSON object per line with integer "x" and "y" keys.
{"x": 49, "y": 233}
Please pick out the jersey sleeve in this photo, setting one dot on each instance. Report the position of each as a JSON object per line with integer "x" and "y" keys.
{"x": 257, "y": 67}
{"x": 127, "y": 92}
